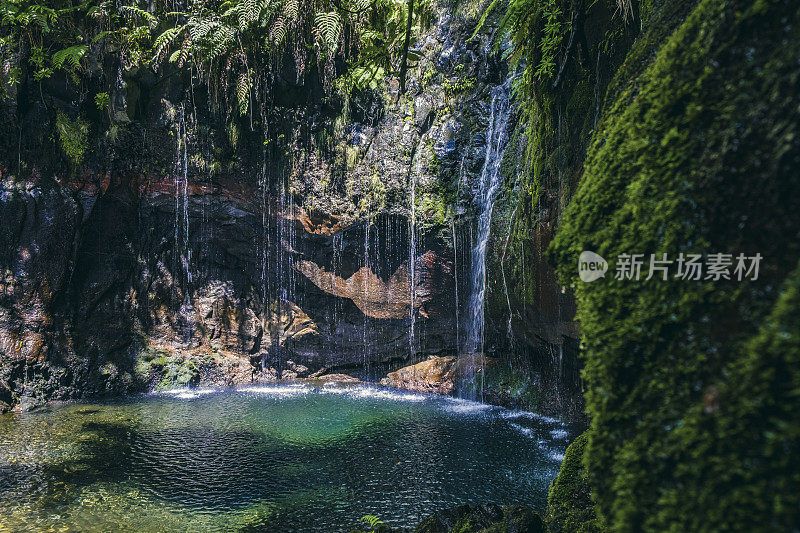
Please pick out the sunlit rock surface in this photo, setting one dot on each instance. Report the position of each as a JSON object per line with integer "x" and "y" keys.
{"x": 437, "y": 374}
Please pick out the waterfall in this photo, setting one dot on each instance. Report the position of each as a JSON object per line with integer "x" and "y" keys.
{"x": 338, "y": 249}
{"x": 412, "y": 252}
{"x": 265, "y": 246}
{"x": 455, "y": 275}
{"x": 365, "y": 294}
{"x": 183, "y": 254}
{"x": 284, "y": 262}
{"x": 485, "y": 194}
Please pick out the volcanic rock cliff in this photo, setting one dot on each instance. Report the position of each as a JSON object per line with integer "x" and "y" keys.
{"x": 323, "y": 235}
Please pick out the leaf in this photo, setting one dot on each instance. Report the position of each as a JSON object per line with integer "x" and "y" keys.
{"x": 291, "y": 8}
{"x": 164, "y": 41}
{"x": 277, "y": 31}
{"x": 328, "y": 25}
{"x": 136, "y": 12}
{"x": 243, "y": 86}
{"x": 69, "y": 58}
{"x": 372, "y": 520}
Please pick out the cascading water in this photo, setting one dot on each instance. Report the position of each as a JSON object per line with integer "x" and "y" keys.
{"x": 338, "y": 249}
{"x": 284, "y": 261}
{"x": 485, "y": 193}
{"x": 183, "y": 253}
{"x": 412, "y": 263}
{"x": 455, "y": 275}
{"x": 365, "y": 294}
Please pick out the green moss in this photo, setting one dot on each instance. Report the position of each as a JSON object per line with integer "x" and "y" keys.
{"x": 747, "y": 433}
{"x": 700, "y": 155}
{"x": 72, "y": 138}
{"x": 503, "y": 386}
{"x": 163, "y": 370}
{"x": 458, "y": 86}
{"x": 569, "y": 503}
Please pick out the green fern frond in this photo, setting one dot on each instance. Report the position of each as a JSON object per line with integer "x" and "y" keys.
{"x": 164, "y": 41}
{"x": 69, "y": 58}
{"x": 291, "y": 8}
{"x": 134, "y": 12}
{"x": 372, "y": 520}
{"x": 359, "y": 5}
{"x": 277, "y": 31}
{"x": 243, "y": 86}
{"x": 328, "y": 26}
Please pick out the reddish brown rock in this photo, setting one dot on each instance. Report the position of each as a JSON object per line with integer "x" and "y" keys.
{"x": 335, "y": 378}
{"x": 436, "y": 375}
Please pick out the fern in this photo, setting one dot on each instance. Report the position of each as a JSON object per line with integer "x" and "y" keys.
{"x": 277, "y": 31}
{"x": 69, "y": 58}
{"x": 243, "y": 86}
{"x": 134, "y": 12}
{"x": 372, "y": 520}
{"x": 483, "y": 18}
{"x": 291, "y": 9}
{"x": 250, "y": 12}
{"x": 164, "y": 41}
{"x": 358, "y": 6}
{"x": 328, "y": 26}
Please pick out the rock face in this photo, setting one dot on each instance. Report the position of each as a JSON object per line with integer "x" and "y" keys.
{"x": 331, "y": 240}
{"x": 92, "y": 281}
{"x": 475, "y": 376}
{"x": 437, "y": 374}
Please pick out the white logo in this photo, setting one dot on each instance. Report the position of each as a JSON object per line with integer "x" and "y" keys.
{"x": 591, "y": 266}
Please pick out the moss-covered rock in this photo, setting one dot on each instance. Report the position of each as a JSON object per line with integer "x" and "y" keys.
{"x": 569, "y": 503}
{"x": 700, "y": 155}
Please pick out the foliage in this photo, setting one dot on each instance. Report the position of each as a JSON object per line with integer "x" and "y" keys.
{"x": 232, "y": 46}
{"x": 692, "y": 386}
{"x": 69, "y": 58}
{"x": 457, "y": 86}
{"x": 72, "y": 138}
{"x": 534, "y": 29}
{"x": 42, "y": 29}
{"x": 102, "y": 101}
{"x": 328, "y": 27}
{"x": 569, "y": 504}
{"x": 552, "y": 47}
{"x": 371, "y": 520}
{"x": 381, "y": 43}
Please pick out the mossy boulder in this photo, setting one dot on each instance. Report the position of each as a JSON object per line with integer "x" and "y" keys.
{"x": 698, "y": 156}
{"x": 163, "y": 370}
{"x": 569, "y": 504}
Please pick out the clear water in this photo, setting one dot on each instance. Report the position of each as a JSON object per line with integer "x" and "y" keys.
{"x": 276, "y": 458}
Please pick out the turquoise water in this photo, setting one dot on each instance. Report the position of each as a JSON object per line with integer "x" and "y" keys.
{"x": 272, "y": 458}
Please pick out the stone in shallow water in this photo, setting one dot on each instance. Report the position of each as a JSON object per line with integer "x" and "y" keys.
{"x": 336, "y": 378}
{"x": 437, "y": 374}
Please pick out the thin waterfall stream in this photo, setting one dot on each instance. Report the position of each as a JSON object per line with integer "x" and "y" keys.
{"x": 183, "y": 253}
{"x": 485, "y": 193}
